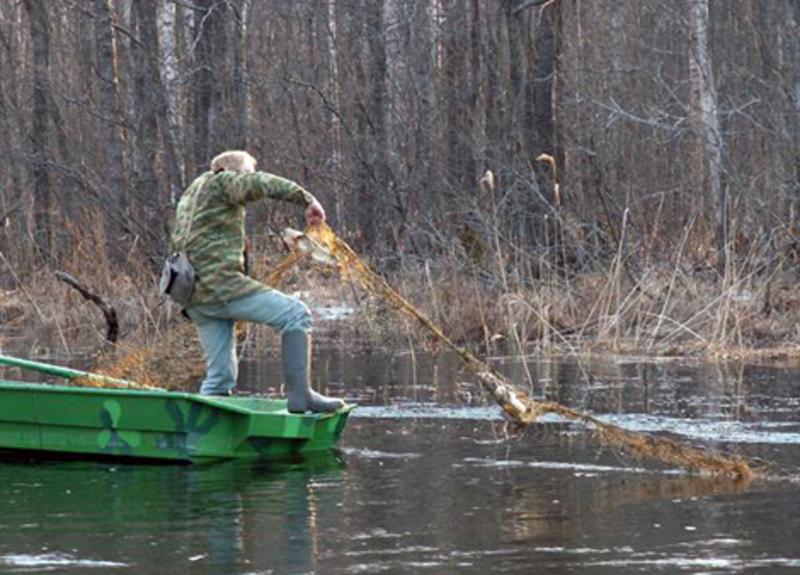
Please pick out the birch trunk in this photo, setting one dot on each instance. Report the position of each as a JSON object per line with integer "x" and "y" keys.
{"x": 170, "y": 80}
{"x": 334, "y": 119}
{"x": 707, "y": 161}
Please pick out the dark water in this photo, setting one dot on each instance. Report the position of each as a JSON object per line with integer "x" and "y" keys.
{"x": 426, "y": 481}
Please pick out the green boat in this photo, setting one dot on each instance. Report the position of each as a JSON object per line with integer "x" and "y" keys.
{"x": 153, "y": 424}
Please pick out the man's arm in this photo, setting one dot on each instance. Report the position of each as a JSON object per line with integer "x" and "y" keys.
{"x": 252, "y": 186}
{"x": 249, "y": 187}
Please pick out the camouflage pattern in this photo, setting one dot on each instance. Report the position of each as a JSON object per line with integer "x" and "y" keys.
{"x": 215, "y": 240}
{"x": 158, "y": 424}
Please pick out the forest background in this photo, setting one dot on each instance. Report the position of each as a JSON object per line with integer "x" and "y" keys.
{"x": 548, "y": 173}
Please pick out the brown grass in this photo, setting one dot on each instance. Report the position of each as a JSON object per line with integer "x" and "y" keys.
{"x": 666, "y": 308}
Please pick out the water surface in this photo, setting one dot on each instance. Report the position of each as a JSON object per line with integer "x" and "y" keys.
{"x": 428, "y": 480}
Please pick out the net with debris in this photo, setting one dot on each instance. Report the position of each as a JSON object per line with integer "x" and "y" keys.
{"x": 158, "y": 364}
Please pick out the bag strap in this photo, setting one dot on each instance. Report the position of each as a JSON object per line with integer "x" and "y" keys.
{"x": 191, "y": 214}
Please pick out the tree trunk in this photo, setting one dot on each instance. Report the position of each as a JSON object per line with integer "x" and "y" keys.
{"x": 424, "y": 69}
{"x": 376, "y": 38}
{"x": 544, "y": 62}
{"x": 475, "y": 113}
{"x": 39, "y": 21}
{"x": 494, "y": 110}
{"x": 170, "y": 81}
{"x": 146, "y": 105}
{"x": 11, "y": 124}
{"x": 514, "y": 126}
{"x": 17, "y": 197}
{"x": 239, "y": 88}
{"x": 117, "y": 187}
{"x": 372, "y": 131}
{"x": 556, "y": 98}
{"x": 454, "y": 96}
{"x": 794, "y": 112}
{"x": 209, "y": 60}
{"x": 707, "y": 160}
{"x": 333, "y": 115}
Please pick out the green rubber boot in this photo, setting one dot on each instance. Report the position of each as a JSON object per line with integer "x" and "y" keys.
{"x": 296, "y": 358}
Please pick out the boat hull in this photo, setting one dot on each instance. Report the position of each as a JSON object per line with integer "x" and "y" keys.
{"x": 158, "y": 425}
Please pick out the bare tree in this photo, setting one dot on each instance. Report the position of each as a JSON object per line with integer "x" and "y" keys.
{"x": 240, "y": 99}
{"x": 209, "y": 49}
{"x": 707, "y": 161}
{"x": 40, "y": 127}
{"x": 15, "y": 197}
{"x": 170, "y": 80}
{"x": 334, "y": 117}
{"x": 106, "y": 68}
{"x": 392, "y": 110}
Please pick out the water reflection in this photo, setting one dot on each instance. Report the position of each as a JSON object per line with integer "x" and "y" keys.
{"x": 226, "y": 517}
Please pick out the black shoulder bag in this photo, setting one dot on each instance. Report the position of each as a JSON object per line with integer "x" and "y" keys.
{"x": 177, "y": 275}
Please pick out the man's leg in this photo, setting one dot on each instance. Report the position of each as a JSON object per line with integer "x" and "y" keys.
{"x": 296, "y": 360}
{"x": 273, "y": 308}
{"x": 219, "y": 346}
{"x": 292, "y": 319}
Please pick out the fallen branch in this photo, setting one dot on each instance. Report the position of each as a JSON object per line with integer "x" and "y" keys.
{"x": 110, "y": 314}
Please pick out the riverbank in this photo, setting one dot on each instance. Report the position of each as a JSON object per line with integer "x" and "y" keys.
{"x": 663, "y": 313}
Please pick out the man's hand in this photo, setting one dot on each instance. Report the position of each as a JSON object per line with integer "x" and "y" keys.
{"x": 314, "y": 213}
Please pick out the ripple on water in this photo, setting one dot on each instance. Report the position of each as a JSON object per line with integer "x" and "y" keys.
{"x": 711, "y": 430}
{"x": 560, "y": 465}
{"x": 49, "y": 561}
{"x": 775, "y": 433}
{"x": 427, "y": 411}
{"x": 691, "y": 564}
{"x": 374, "y": 454}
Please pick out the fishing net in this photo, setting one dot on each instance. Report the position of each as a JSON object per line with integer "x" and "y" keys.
{"x": 516, "y": 403}
{"x": 174, "y": 361}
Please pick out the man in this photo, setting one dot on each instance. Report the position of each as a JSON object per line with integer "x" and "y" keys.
{"x": 209, "y": 226}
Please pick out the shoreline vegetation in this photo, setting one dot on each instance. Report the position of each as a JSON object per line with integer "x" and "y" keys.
{"x": 668, "y": 312}
{"x": 169, "y": 357}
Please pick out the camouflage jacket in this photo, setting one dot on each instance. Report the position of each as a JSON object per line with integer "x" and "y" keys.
{"x": 215, "y": 238}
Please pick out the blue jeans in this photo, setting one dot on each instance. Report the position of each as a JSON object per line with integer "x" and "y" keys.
{"x": 215, "y": 323}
